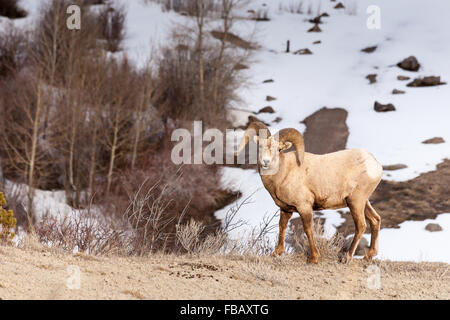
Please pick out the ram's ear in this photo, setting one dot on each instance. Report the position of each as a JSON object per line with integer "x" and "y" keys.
{"x": 256, "y": 139}
{"x": 284, "y": 145}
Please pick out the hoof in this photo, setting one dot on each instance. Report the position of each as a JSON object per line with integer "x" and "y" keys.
{"x": 369, "y": 255}
{"x": 277, "y": 252}
{"x": 313, "y": 259}
{"x": 346, "y": 258}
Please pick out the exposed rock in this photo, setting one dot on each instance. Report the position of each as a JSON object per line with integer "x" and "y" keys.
{"x": 433, "y": 227}
{"x": 372, "y": 78}
{"x": 240, "y": 66}
{"x": 233, "y": 39}
{"x": 253, "y": 119}
{"x": 395, "y": 91}
{"x": 362, "y": 247}
{"x": 392, "y": 167}
{"x": 415, "y": 199}
{"x": 426, "y": 82}
{"x": 316, "y": 20}
{"x": 267, "y": 109}
{"x": 378, "y": 107}
{"x": 435, "y": 140}
{"x": 339, "y": 6}
{"x": 277, "y": 120}
{"x": 403, "y": 78}
{"x": 410, "y": 64}
{"x": 268, "y": 81}
{"x": 317, "y": 42}
{"x": 315, "y": 29}
{"x": 369, "y": 49}
{"x": 326, "y": 131}
{"x": 270, "y": 98}
{"x": 303, "y": 51}
{"x": 325, "y": 14}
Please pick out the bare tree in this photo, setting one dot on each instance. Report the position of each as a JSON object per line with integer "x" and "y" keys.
{"x": 23, "y": 144}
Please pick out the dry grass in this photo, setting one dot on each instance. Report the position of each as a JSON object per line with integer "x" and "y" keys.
{"x": 328, "y": 247}
{"x": 169, "y": 276}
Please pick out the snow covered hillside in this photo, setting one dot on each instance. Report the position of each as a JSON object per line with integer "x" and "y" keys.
{"x": 334, "y": 75}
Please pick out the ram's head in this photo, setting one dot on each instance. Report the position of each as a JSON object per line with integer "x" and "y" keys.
{"x": 270, "y": 146}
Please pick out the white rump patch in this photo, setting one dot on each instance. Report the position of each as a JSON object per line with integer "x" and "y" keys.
{"x": 373, "y": 168}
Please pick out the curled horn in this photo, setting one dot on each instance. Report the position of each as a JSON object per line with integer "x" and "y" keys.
{"x": 252, "y": 130}
{"x": 292, "y": 135}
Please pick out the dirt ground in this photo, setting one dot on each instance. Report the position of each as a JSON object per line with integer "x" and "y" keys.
{"x": 39, "y": 273}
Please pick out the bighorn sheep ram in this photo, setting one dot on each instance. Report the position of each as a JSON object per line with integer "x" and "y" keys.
{"x": 302, "y": 182}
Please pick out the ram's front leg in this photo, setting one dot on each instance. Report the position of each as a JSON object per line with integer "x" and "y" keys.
{"x": 308, "y": 225}
{"x": 284, "y": 219}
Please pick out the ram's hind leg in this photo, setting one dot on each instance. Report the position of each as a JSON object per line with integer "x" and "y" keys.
{"x": 374, "y": 222}
{"x": 356, "y": 206}
{"x": 284, "y": 219}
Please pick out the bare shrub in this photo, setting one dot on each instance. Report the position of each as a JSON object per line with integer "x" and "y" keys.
{"x": 191, "y": 238}
{"x": 261, "y": 15}
{"x": 256, "y": 241}
{"x": 57, "y": 50}
{"x": 198, "y": 71}
{"x": 162, "y": 195}
{"x": 328, "y": 247}
{"x": 10, "y": 9}
{"x": 189, "y": 7}
{"x": 82, "y": 232}
{"x": 13, "y": 47}
{"x": 294, "y": 6}
{"x": 147, "y": 214}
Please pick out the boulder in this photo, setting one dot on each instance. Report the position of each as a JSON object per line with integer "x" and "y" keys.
{"x": 392, "y": 167}
{"x": 378, "y": 107}
{"x": 433, "y": 227}
{"x": 303, "y": 51}
{"x": 317, "y": 42}
{"x": 369, "y": 49}
{"x": 395, "y": 91}
{"x": 410, "y": 64}
{"x": 315, "y": 29}
{"x": 240, "y": 66}
{"x": 435, "y": 140}
{"x": 403, "y": 78}
{"x": 277, "y": 120}
{"x": 316, "y": 20}
{"x": 339, "y": 6}
{"x": 270, "y": 98}
{"x": 267, "y": 109}
{"x": 372, "y": 78}
{"x": 426, "y": 82}
{"x": 254, "y": 119}
{"x": 268, "y": 81}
